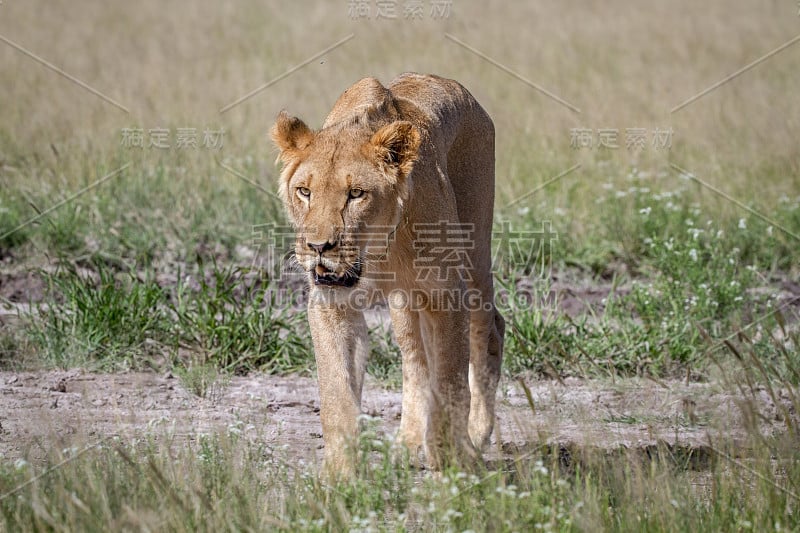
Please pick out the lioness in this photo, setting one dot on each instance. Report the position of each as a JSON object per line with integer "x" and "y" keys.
{"x": 375, "y": 196}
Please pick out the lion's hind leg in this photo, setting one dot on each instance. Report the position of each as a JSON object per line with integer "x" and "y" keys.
{"x": 487, "y": 330}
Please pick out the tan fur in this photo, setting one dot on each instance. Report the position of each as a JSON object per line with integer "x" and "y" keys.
{"x": 389, "y": 162}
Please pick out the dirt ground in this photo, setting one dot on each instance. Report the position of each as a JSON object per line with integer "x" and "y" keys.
{"x": 43, "y": 411}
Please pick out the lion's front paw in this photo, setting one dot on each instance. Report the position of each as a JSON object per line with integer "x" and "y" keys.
{"x": 457, "y": 452}
{"x": 409, "y": 444}
{"x": 338, "y": 466}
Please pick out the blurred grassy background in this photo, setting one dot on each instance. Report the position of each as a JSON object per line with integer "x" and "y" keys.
{"x": 175, "y": 66}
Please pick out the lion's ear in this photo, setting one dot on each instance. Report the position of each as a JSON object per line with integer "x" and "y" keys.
{"x": 291, "y": 136}
{"x": 396, "y": 145}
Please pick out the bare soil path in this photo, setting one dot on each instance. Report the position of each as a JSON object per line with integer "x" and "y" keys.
{"x": 43, "y": 410}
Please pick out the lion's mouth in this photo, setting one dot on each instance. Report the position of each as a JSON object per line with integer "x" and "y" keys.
{"x": 348, "y": 278}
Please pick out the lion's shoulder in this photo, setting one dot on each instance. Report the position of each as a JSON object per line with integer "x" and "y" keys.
{"x": 367, "y": 95}
{"x": 421, "y": 98}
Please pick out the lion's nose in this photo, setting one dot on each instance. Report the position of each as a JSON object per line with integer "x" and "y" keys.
{"x": 321, "y": 248}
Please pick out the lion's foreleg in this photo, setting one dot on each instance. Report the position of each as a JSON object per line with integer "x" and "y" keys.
{"x": 447, "y": 345}
{"x": 416, "y": 379}
{"x": 341, "y": 346}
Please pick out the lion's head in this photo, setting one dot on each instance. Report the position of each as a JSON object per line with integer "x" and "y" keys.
{"x": 344, "y": 188}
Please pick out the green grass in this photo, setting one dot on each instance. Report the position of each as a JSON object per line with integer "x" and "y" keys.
{"x": 109, "y": 321}
{"x": 140, "y": 215}
{"x": 385, "y": 358}
{"x": 203, "y": 379}
{"x": 673, "y": 269}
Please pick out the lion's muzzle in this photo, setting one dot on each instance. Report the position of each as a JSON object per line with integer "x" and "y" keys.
{"x": 338, "y": 272}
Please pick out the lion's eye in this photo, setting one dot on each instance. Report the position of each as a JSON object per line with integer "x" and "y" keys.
{"x": 356, "y": 193}
{"x": 304, "y": 191}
